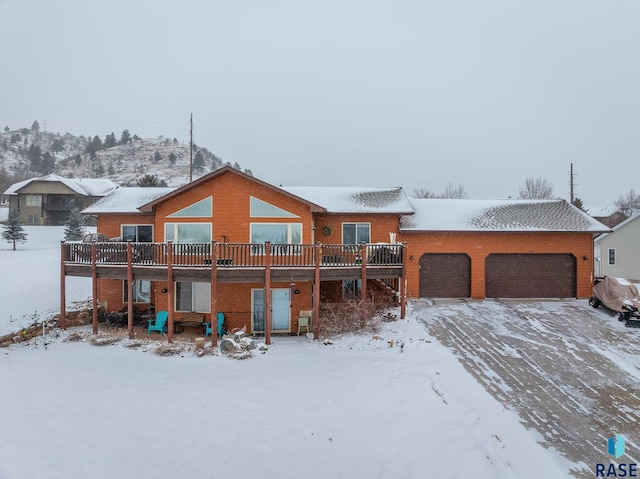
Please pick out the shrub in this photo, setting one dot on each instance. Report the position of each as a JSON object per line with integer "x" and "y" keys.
{"x": 352, "y": 317}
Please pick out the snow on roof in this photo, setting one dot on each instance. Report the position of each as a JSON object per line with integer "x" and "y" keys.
{"x": 336, "y": 199}
{"x": 126, "y": 200}
{"x": 602, "y": 211}
{"x": 497, "y": 215}
{"x": 82, "y": 186}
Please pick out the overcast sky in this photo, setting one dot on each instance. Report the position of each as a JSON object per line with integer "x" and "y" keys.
{"x": 377, "y": 93}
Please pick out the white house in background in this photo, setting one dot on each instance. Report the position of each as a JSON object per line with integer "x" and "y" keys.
{"x": 617, "y": 253}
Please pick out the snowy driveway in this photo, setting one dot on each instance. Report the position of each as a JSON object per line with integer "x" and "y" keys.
{"x": 571, "y": 373}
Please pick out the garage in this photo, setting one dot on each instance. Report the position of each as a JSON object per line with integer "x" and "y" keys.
{"x": 530, "y": 276}
{"x": 445, "y": 275}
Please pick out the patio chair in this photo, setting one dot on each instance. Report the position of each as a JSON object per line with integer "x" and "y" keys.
{"x": 220, "y": 326}
{"x": 304, "y": 320}
{"x": 159, "y": 324}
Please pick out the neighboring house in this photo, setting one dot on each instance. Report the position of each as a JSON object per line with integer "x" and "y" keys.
{"x": 617, "y": 253}
{"x": 607, "y": 216}
{"x": 48, "y": 200}
{"x": 326, "y": 244}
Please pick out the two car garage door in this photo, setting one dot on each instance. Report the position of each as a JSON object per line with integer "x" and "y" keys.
{"x": 444, "y": 275}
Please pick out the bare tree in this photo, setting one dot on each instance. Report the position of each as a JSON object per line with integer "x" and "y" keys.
{"x": 628, "y": 204}
{"x": 536, "y": 189}
{"x": 423, "y": 193}
{"x": 454, "y": 192}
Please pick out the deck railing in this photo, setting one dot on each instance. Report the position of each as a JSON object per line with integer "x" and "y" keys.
{"x": 245, "y": 255}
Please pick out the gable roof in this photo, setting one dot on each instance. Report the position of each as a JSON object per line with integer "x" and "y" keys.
{"x": 498, "y": 215}
{"x": 149, "y": 206}
{"x": 81, "y": 186}
{"x": 126, "y": 200}
{"x": 337, "y": 199}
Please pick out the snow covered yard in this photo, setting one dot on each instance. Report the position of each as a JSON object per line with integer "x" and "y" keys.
{"x": 360, "y": 407}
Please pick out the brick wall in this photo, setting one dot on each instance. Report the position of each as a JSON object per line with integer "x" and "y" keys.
{"x": 479, "y": 245}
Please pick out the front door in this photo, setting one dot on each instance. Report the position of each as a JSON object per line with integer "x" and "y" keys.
{"x": 280, "y": 310}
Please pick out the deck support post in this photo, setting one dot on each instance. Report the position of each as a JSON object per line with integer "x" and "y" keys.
{"x": 130, "y": 289}
{"x": 315, "y": 314}
{"x": 403, "y": 283}
{"x": 267, "y": 292}
{"x": 363, "y": 256}
{"x": 63, "y": 278}
{"x": 170, "y": 293}
{"x": 94, "y": 287}
{"x": 214, "y": 293}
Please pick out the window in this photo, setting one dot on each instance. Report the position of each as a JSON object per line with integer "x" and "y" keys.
{"x": 187, "y": 232}
{"x": 137, "y": 233}
{"x": 141, "y": 291}
{"x": 275, "y": 233}
{"x": 262, "y": 209}
{"x": 33, "y": 200}
{"x": 356, "y": 233}
{"x": 612, "y": 256}
{"x": 351, "y": 289}
{"x": 201, "y": 209}
{"x": 193, "y": 297}
{"x": 33, "y": 219}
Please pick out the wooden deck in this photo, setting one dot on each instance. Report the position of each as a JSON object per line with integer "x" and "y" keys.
{"x": 230, "y": 263}
{"x": 234, "y": 263}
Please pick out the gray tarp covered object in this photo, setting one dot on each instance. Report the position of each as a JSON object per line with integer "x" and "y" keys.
{"x": 613, "y": 292}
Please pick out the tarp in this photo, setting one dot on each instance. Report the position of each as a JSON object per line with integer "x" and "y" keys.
{"x": 613, "y": 292}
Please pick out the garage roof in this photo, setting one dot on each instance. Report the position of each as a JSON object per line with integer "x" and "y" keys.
{"x": 498, "y": 215}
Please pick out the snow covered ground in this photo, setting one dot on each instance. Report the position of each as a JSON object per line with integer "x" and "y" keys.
{"x": 360, "y": 407}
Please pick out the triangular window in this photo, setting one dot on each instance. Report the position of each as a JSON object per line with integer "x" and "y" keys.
{"x": 201, "y": 209}
{"x": 262, "y": 209}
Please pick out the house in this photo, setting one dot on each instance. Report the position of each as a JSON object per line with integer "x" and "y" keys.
{"x": 48, "y": 200}
{"x": 617, "y": 253}
{"x": 262, "y": 254}
{"x": 608, "y": 216}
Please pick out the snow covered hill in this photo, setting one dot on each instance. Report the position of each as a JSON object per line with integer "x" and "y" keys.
{"x": 27, "y": 153}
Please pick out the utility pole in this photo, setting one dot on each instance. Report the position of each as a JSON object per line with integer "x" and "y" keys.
{"x": 191, "y": 149}
{"x": 571, "y": 183}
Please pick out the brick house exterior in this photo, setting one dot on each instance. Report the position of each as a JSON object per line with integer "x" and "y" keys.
{"x": 476, "y": 243}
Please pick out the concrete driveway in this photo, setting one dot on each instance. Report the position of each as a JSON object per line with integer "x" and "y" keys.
{"x": 571, "y": 372}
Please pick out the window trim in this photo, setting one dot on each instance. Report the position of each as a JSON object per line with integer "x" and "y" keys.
{"x": 175, "y": 298}
{"x": 31, "y": 196}
{"x": 125, "y": 291}
{"x": 356, "y": 223}
{"x": 611, "y": 256}
{"x": 259, "y": 248}
{"x": 122, "y": 226}
{"x": 175, "y": 230}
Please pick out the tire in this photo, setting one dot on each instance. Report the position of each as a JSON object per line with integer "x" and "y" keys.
{"x": 594, "y": 302}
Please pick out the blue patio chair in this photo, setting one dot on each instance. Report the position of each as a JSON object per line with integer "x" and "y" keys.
{"x": 220, "y": 326}
{"x": 159, "y": 324}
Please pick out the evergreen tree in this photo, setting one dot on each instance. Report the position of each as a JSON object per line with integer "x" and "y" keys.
{"x": 34, "y": 154}
{"x": 6, "y": 129}
{"x": 74, "y": 227}
{"x": 110, "y": 140}
{"x": 35, "y": 127}
{"x": 172, "y": 158}
{"x": 13, "y": 230}
{"x": 150, "y": 180}
{"x": 198, "y": 162}
{"x": 157, "y": 158}
{"x": 125, "y": 138}
{"x": 577, "y": 202}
